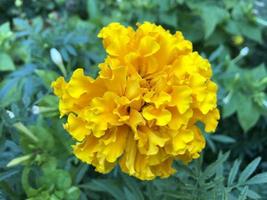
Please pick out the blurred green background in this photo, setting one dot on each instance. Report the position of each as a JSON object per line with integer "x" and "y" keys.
{"x": 36, "y": 161}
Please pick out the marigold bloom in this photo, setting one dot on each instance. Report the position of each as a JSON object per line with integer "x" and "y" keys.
{"x": 142, "y": 109}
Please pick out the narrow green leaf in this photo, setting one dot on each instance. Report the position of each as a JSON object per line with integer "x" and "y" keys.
{"x": 243, "y": 194}
{"x": 104, "y": 185}
{"x": 129, "y": 195}
{"x": 223, "y": 139}
{"x": 92, "y": 9}
{"x": 7, "y": 174}
{"x": 249, "y": 170}
{"x": 213, "y": 167}
{"x": 133, "y": 186}
{"x": 253, "y": 195}
{"x": 258, "y": 179}
{"x": 233, "y": 172}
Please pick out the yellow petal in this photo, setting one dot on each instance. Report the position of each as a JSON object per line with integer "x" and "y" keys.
{"x": 181, "y": 97}
{"x": 148, "y": 46}
{"x": 211, "y": 120}
{"x": 76, "y": 127}
{"x": 162, "y": 116}
{"x": 178, "y": 119}
{"x": 114, "y": 150}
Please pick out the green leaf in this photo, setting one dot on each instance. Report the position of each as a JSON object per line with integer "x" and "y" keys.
{"x": 133, "y": 186}
{"x": 93, "y": 9}
{"x": 7, "y": 174}
{"x": 247, "y": 113}
{"x": 253, "y": 195}
{"x": 233, "y": 172}
{"x": 249, "y": 170}
{"x": 128, "y": 194}
{"x": 258, "y": 72}
{"x": 243, "y": 194}
{"x": 73, "y": 193}
{"x": 47, "y": 76}
{"x": 63, "y": 179}
{"x": 251, "y": 31}
{"x": 169, "y": 19}
{"x": 105, "y": 185}
{"x": 4, "y": 28}
{"x": 230, "y": 104}
{"x": 258, "y": 179}
{"x": 30, "y": 191}
{"x": 212, "y": 16}
{"x": 6, "y": 62}
{"x": 223, "y": 139}
{"x": 213, "y": 167}
{"x": 232, "y": 27}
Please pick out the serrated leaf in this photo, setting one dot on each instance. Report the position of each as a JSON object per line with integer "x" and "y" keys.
{"x": 249, "y": 170}
{"x": 233, "y": 172}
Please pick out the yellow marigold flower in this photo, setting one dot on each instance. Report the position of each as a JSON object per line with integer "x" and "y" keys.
{"x": 142, "y": 109}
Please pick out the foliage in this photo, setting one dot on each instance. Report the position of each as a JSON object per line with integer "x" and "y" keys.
{"x": 35, "y": 159}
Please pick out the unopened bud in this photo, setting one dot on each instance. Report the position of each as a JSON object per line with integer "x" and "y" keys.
{"x": 10, "y": 114}
{"x": 35, "y": 110}
{"x": 57, "y": 59}
{"x": 56, "y": 56}
{"x": 244, "y": 51}
{"x": 18, "y": 160}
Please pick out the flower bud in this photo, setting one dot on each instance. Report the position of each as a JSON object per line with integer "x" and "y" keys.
{"x": 56, "y": 56}
{"x": 244, "y": 51}
{"x": 10, "y": 114}
{"x": 57, "y": 59}
{"x": 18, "y": 160}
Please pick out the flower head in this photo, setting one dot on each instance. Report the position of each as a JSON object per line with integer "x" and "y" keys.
{"x": 142, "y": 109}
